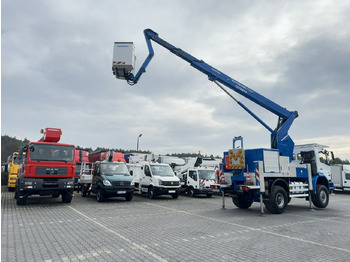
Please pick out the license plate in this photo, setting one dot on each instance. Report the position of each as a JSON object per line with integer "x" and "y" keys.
{"x": 172, "y": 191}
{"x": 121, "y": 192}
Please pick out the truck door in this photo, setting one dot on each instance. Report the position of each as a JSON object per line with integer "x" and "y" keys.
{"x": 192, "y": 179}
{"x": 346, "y": 176}
{"x": 95, "y": 178}
{"x": 147, "y": 178}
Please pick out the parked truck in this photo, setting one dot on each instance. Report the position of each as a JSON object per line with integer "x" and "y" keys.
{"x": 12, "y": 168}
{"x": 264, "y": 175}
{"x": 81, "y": 157}
{"x": 153, "y": 178}
{"x": 106, "y": 177}
{"x": 198, "y": 176}
{"x": 48, "y": 168}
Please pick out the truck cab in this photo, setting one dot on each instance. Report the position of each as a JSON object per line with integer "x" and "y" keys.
{"x": 199, "y": 181}
{"x": 111, "y": 179}
{"x": 155, "y": 179}
{"x": 317, "y": 156}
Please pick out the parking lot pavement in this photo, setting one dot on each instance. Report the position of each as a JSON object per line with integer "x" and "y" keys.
{"x": 166, "y": 229}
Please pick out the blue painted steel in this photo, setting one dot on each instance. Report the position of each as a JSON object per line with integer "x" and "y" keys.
{"x": 279, "y": 136}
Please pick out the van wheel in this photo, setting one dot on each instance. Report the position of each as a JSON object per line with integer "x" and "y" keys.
{"x": 209, "y": 194}
{"x": 151, "y": 193}
{"x": 129, "y": 196}
{"x": 175, "y": 196}
{"x": 99, "y": 196}
{"x": 321, "y": 198}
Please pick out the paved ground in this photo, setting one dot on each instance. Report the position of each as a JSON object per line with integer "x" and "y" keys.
{"x": 165, "y": 229}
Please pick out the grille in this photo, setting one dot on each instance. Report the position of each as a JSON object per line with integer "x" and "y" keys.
{"x": 170, "y": 183}
{"x": 43, "y": 170}
{"x": 121, "y": 183}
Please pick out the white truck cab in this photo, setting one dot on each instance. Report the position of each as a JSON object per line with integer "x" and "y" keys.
{"x": 154, "y": 179}
{"x": 199, "y": 180}
{"x": 315, "y": 153}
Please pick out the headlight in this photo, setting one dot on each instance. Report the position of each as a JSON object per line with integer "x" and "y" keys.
{"x": 106, "y": 182}
{"x": 132, "y": 183}
{"x": 160, "y": 182}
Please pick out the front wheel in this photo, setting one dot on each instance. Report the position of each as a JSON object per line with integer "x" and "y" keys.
{"x": 191, "y": 192}
{"x": 277, "y": 201}
{"x": 99, "y": 196}
{"x": 151, "y": 193}
{"x": 175, "y": 196}
{"x": 67, "y": 197}
{"x": 129, "y": 196}
{"x": 321, "y": 198}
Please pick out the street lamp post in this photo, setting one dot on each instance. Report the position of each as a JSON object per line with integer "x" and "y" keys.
{"x": 137, "y": 149}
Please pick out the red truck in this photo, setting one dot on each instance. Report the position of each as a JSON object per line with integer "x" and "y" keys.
{"x": 48, "y": 168}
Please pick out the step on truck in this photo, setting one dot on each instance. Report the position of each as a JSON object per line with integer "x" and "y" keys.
{"x": 106, "y": 175}
{"x": 48, "y": 168}
{"x": 154, "y": 178}
{"x": 254, "y": 175}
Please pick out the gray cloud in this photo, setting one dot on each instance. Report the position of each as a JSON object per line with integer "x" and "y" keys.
{"x": 56, "y": 71}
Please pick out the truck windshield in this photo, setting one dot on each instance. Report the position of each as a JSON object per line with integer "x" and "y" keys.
{"x": 114, "y": 168}
{"x": 48, "y": 152}
{"x": 160, "y": 170}
{"x": 207, "y": 174}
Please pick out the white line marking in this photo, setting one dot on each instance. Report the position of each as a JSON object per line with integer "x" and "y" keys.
{"x": 255, "y": 229}
{"x": 137, "y": 246}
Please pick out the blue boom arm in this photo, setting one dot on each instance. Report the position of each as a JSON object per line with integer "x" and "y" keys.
{"x": 279, "y": 136}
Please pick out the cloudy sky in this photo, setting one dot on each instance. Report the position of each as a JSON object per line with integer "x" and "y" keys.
{"x": 57, "y": 57}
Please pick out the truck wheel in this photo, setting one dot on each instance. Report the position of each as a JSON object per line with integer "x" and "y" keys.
{"x": 83, "y": 191}
{"x": 129, "y": 196}
{"x": 241, "y": 202}
{"x": 209, "y": 194}
{"x": 99, "y": 196}
{"x": 55, "y": 195}
{"x": 175, "y": 196}
{"x": 20, "y": 201}
{"x": 321, "y": 198}
{"x": 151, "y": 193}
{"x": 277, "y": 201}
{"x": 191, "y": 192}
{"x": 66, "y": 197}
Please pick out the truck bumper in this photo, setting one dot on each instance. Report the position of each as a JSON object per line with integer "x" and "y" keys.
{"x": 119, "y": 191}
{"x": 166, "y": 190}
{"x": 34, "y": 186}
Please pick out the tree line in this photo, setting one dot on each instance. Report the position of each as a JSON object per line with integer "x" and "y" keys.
{"x": 12, "y": 144}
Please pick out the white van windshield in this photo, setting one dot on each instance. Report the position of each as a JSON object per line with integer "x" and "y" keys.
{"x": 160, "y": 170}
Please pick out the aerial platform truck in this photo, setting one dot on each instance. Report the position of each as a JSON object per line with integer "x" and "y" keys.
{"x": 265, "y": 175}
{"x": 48, "y": 168}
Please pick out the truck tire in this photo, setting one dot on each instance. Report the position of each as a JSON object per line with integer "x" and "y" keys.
{"x": 66, "y": 197}
{"x": 129, "y": 196}
{"x": 83, "y": 191}
{"x": 99, "y": 196}
{"x": 209, "y": 194}
{"x": 151, "y": 193}
{"x": 191, "y": 192}
{"x": 278, "y": 200}
{"x": 241, "y": 202}
{"x": 321, "y": 198}
{"x": 21, "y": 201}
